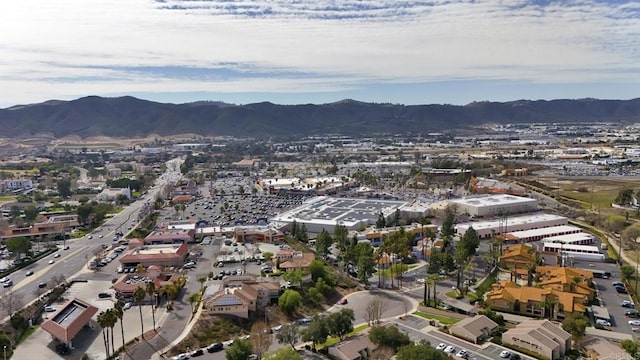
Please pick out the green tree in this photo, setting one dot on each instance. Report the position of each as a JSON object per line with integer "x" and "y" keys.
{"x": 283, "y": 354}
{"x": 295, "y": 277}
{"x": 323, "y": 242}
{"x": 420, "y": 351}
{"x": 138, "y": 296}
{"x": 289, "y": 334}
{"x": 627, "y": 272}
{"x": 447, "y": 230}
{"x": 616, "y": 223}
{"x": 30, "y": 214}
{"x": 630, "y": 346}
{"x": 103, "y": 322}
{"x": 625, "y": 197}
{"x": 118, "y": 311}
{"x": 15, "y": 213}
{"x": 322, "y": 286}
{"x": 18, "y": 245}
{"x": 365, "y": 261}
{"x": 381, "y": 222}
{"x": 340, "y": 235}
{"x": 317, "y": 270}
{"x": 340, "y": 323}
{"x": 314, "y": 295}
{"x": 388, "y": 336}
{"x": 289, "y": 301}
{"x": 317, "y": 331}
{"x": 576, "y": 325}
{"x": 151, "y": 291}
{"x": 64, "y": 188}
{"x": 239, "y": 350}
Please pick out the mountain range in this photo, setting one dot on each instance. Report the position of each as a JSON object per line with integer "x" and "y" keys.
{"x": 131, "y": 117}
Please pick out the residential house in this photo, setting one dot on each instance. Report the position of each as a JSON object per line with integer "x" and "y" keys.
{"x": 475, "y": 329}
{"x": 298, "y": 261}
{"x": 358, "y": 347}
{"x": 543, "y": 302}
{"x": 243, "y": 295}
{"x": 566, "y": 279}
{"x": 518, "y": 256}
{"x": 541, "y": 337}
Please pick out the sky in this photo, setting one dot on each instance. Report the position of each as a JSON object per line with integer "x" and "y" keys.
{"x": 319, "y": 51}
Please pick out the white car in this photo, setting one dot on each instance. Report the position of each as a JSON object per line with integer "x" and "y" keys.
{"x": 505, "y": 354}
{"x": 441, "y": 346}
{"x": 127, "y": 306}
{"x": 56, "y": 255}
{"x": 449, "y": 349}
{"x": 462, "y": 354}
{"x": 51, "y": 261}
{"x": 277, "y": 328}
{"x": 49, "y": 309}
{"x": 180, "y": 357}
{"x": 634, "y": 322}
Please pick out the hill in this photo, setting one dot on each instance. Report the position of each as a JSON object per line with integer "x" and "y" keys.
{"x": 128, "y": 117}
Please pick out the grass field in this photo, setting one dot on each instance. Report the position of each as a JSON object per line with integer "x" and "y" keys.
{"x": 334, "y": 340}
{"x": 7, "y": 198}
{"x": 597, "y": 200}
{"x": 442, "y": 319}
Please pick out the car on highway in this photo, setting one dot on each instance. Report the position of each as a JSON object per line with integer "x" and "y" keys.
{"x": 449, "y": 349}
{"x": 343, "y": 301}
{"x": 634, "y": 322}
{"x": 42, "y": 285}
{"x": 505, "y": 354}
{"x": 7, "y": 283}
{"x": 441, "y": 346}
{"x": 29, "y": 273}
{"x": 51, "y": 261}
{"x": 100, "y": 236}
{"x": 57, "y": 255}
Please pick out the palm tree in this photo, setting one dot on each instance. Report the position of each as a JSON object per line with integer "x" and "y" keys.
{"x": 111, "y": 322}
{"x": 432, "y": 279}
{"x": 104, "y": 323}
{"x": 151, "y": 290}
{"x": 118, "y": 311}
{"x": 139, "y": 295}
{"x": 193, "y": 299}
{"x": 202, "y": 280}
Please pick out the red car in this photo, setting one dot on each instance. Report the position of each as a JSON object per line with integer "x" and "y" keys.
{"x": 343, "y": 301}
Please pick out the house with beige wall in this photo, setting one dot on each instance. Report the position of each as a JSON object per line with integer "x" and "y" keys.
{"x": 541, "y": 337}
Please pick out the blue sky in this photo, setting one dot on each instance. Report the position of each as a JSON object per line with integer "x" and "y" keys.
{"x": 319, "y": 51}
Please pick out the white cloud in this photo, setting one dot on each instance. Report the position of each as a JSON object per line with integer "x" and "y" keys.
{"x": 62, "y": 48}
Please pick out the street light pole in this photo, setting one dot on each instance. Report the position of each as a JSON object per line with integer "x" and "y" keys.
{"x": 5, "y": 352}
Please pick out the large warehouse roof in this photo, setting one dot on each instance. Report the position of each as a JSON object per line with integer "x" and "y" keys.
{"x": 512, "y": 221}
{"x": 492, "y": 200}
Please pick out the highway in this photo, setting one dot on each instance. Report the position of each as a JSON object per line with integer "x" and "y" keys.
{"x": 79, "y": 251}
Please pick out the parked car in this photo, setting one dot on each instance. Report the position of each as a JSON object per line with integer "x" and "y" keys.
{"x": 634, "y": 322}
{"x": 180, "y": 357}
{"x": 631, "y": 313}
{"x": 617, "y": 283}
{"x": 104, "y": 295}
{"x": 505, "y": 354}
{"x": 197, "y": 352}
{"x": 215, "y": 347}
{"x": 127, "y": 306}
{"x": 603, "y": 322}
{"x": 462, "y": 354}
{"x": 514, "y": 357}
{"x": 441, "y": 346}
{"x": 449, "y": 349}
{"x": 49, "y": 309}
{"x": 343, "y": 301}
{"x": 627, "y": 304}
{"x": 621, "y": 290}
